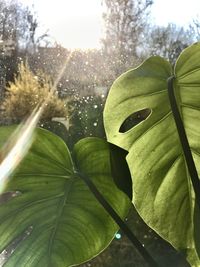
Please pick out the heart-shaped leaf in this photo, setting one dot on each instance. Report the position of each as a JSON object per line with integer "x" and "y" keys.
{"x": 162, "y": 190}
{"x": 53, "y": 220}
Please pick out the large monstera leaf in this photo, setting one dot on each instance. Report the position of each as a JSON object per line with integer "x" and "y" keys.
{"x": 52, "y": 213}
{"x": 162, "y": 190}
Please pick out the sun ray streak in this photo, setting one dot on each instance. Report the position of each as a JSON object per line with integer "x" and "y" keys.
{"x": 21, "y": 140}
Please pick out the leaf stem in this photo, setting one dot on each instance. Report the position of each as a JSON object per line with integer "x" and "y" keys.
{"x": 184, "y": 141}
{"x": 145, "y": 254}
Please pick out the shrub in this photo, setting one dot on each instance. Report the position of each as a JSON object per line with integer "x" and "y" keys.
{"x": 27, "y": 91}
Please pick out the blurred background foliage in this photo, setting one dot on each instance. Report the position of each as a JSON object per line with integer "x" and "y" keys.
{"x": 30, "y": 64}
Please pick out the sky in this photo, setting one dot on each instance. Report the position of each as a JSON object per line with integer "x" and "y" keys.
{"x": 178, "y": 11}
{"x": 79, "y": 24}
{"x": 73, "y": 23}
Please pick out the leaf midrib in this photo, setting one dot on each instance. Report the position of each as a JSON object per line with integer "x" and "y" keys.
{"x": 60, "y": 212}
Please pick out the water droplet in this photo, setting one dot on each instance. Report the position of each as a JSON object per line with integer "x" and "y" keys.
{"x": 118, "y": 236}
{"x": 29, "y": 230}
{"x": 16, "y": 193}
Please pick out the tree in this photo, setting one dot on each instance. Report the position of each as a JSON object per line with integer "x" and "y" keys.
{"x": 18, "y": 26}
{"x": 167, "y": 41}
{"x": 125, "y": 21}
{"x": 17, "y": 23}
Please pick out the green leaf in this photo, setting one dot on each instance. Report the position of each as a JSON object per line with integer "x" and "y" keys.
{"x": 162, "y": 190}
{"x": 59, "y": 220}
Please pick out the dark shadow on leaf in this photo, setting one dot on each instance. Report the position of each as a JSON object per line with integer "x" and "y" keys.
{"x": 120, "y": 169}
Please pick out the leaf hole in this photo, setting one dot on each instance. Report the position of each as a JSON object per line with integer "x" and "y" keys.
{"x": 134, "y": 119}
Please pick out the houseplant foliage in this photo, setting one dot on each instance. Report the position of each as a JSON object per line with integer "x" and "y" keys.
{"x": 52, "y": 214}
{"x": 162, "y": 189}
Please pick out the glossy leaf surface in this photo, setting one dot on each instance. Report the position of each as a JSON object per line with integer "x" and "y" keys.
{"x": 162, "y": 190}
{"x": 62, "y": 223}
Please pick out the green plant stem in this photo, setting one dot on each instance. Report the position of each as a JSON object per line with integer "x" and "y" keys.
{"x": 184, "y": 141}
{"x": 147, "y": 257}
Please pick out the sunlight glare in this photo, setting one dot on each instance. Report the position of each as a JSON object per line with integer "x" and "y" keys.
{"x": 75, "y": 24}
{"x": 21, "y": 140}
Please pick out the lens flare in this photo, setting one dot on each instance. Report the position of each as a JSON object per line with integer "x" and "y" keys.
{"x": 21, "y": 140}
